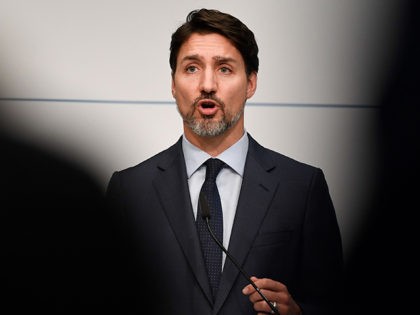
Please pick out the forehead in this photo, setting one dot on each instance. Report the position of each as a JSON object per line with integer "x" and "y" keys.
{"x": 209, "y": 45}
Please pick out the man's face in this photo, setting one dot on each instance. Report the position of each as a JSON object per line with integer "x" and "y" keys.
{"x": 210, "y": 84}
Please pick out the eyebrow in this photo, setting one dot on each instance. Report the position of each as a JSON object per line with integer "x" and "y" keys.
{"x": 219, "y": 59}
{"x": 222, "y": 59}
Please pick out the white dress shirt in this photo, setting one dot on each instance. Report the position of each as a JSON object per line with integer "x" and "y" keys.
{"x": 228, "y": 181}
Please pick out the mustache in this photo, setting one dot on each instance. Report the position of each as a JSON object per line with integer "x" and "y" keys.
{"x": 209, "y": 96}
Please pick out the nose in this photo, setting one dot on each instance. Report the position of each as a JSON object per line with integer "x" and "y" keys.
{"x": 208, "y": 81}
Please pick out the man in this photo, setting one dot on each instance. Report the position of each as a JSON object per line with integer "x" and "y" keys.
{"x": 279, "y": 222}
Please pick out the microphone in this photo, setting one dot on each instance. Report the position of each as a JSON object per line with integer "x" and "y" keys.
{"x": 205, "y": 214}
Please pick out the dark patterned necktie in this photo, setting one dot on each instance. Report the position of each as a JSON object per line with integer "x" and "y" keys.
{"x": 211, "y": 251}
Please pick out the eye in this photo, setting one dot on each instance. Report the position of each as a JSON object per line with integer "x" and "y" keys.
{"x": 191, "y": 69}
{"x": 225, "y": 70}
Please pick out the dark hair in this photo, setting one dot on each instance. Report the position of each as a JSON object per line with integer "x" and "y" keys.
{"x": 206, "y": 21}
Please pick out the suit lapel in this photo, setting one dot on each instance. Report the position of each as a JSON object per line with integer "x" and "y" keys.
{"x": 257, "y": 191}
{"x": 172, "y": 187}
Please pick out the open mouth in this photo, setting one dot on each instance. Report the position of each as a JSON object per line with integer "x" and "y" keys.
{"x": 207, "y": 107}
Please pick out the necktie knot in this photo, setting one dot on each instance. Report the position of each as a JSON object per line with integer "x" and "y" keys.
{"x": 213, "y": 168}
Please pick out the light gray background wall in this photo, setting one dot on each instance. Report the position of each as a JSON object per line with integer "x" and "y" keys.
{"x": 90, "y": 79}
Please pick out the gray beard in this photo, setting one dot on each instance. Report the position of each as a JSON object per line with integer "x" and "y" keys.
{"x": 209, "y": 128}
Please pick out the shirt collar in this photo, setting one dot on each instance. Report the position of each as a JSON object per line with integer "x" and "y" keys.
{"x": 234, "y": 156}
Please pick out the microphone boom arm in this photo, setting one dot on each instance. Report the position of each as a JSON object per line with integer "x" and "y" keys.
{"x": 206, "y": 215}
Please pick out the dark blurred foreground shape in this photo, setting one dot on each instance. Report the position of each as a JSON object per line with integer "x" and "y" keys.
{"x": 60, "y": 252}
{"x": 382, "y": 269}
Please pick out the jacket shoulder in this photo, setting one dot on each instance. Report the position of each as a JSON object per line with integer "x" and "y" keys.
{"x": 275, "y": 161}
{"x": 149, "y": 167}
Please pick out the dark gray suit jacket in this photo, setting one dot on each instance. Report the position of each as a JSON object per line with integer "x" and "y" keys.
{"x": 285, "y": 228}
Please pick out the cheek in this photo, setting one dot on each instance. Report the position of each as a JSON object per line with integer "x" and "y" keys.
{"x": 181, "y": 98}
{"x": 236, "y": 97}
{"x": 183, "y": 101}
{"x": 183, "y": 90}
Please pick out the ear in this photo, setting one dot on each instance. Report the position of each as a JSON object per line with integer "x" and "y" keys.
{"x": 173, "y": 87}
{"x": 252, "y": 85}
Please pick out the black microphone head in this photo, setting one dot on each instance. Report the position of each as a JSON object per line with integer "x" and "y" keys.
{"x": 205, "y": 210}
